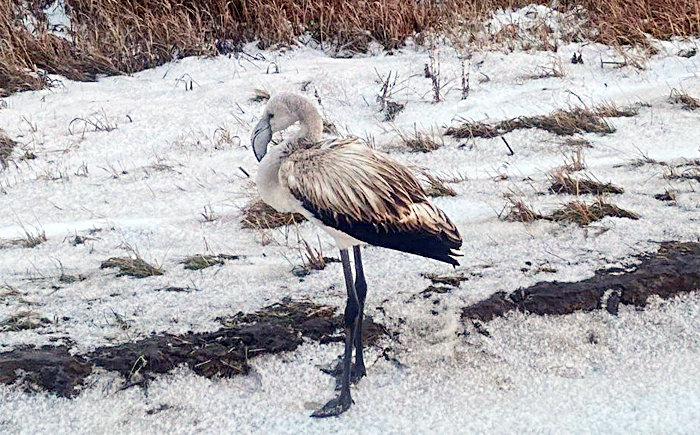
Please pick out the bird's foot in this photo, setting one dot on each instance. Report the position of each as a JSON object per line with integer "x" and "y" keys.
{"x": 334, "y": 407}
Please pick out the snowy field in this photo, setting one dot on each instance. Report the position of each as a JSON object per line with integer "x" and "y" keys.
{"x": 135, "y": 162}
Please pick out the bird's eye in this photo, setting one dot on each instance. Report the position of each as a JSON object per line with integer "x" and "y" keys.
{"x": 272, "y": 115}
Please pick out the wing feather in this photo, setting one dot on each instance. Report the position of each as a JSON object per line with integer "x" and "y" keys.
{"x": 369, "y": 196}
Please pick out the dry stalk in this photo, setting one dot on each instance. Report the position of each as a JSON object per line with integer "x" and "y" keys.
{"x": 583, "y": 214}
{"x": 563, "y": 182}
{"x": 258, "y": 215}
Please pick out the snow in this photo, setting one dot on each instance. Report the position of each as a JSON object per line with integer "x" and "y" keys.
{"x": 171, "y": 152}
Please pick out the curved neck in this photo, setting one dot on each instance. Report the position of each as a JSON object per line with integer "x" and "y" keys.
{"x": 310, "y": 120}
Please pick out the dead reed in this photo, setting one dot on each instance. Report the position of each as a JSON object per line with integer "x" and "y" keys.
{"x": 258, "y": 215}
{"x": 109, "y": 37}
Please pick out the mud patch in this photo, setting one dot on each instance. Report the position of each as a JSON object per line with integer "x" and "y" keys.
{"x": 44, "y": 368}
{"x": 674, "y": 269}
{"x": 278, "y": 328}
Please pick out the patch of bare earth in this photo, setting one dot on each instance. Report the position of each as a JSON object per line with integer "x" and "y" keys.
{"x": 673, "y": 270}
{"x": 278, "y": 328}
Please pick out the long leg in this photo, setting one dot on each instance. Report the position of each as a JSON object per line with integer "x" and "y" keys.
{"x": 361, "y": 288}
{"x": 341, "y": 403}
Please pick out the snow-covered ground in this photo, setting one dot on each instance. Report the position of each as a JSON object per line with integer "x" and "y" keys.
{"x": 177, "y": 138}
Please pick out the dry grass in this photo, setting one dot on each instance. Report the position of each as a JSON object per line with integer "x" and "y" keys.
{"x": 259, "y": 216}
{"x": 260, "y": 96}
{"x": 110, "y": 37}
{"x": 563, "y": 182}
{"x": 583, "y": 214}
{"x": 200, "y": 261}
{"x": 682, "y": 97}
{"x": 417, "y": 142}
{"x": 623, "y": 22}
{"x": 577, "y": 143}
{"x": 575, "y": 162}
{"x": 687, "y": 170}
{"x": 7, "y": 291}
{"x": 668, "y": 195}
{"x": 453, "y": 280}
{"x": 29, "y": 240}
{"x": 7, "y": 145}
{"x": 433, "y": 186}
{"x": 312, "y": 259}
{"x": 518, "y": 211}
{"x": 23, "y": 320}
{"x": 560, "y": 122}
{"x": 131, "y": 266}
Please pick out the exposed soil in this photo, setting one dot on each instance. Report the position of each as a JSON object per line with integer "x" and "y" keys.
{"x": 278, "y": 328}
{"x": 674, "y": 269}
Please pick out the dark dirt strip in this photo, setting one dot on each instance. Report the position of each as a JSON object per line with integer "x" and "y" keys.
{"x": 674, "y": 269}
{"x": 279, "y": 328}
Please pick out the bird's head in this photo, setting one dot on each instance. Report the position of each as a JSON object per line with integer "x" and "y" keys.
{"x": 281, "y": 111}
{"x": 278, "y": 115}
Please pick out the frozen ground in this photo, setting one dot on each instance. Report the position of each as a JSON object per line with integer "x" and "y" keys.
{"x": 176, "y": 141}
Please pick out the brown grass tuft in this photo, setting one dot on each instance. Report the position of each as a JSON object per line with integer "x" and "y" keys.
{"x": 28, "y": 241}
{"x": 135, "y": 267}
{"x": 688, "y": 170}
{"x": 621, "y": 22}
{"x": 110, "y": 37}
{"x": 583, "y": 214}
{"x": 23, "y": 320}
{"x": 682, "y": 97}
{"x": 260, "y": 96}
{"x": 563, "y": 182}
{"x": 312, "y": 258}
{"x": 668, "y": 195}
{"x": 7, "y": 145}
{"x": 200, "y": 261}
{"x": 259, "y": 216}
{"x": 452, "y": 280}
{"x": 578, "y": 143}
{"x": 519, "y": 212}
{"x": 433, "y": 186}
{"x": 418, "y": 142}
{"x": 560, "y": 122}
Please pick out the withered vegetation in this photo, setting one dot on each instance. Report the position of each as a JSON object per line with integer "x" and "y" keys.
{"x": 260, "y": 95}
{"x": 130, "y": 266}
{"x": 23, "y": 320}
{"x": 109, "y": 37}
{"x": 582, "y": 213}
{"x": 313, "y": 259}
{"x": 202, "y": 261}
{"x": 30, "y": 240}
{"x": 577, "y": 211}
{"x": 682, "y": 97}
{"x": 518, "y": 211}
{"x": 668, "y": 195}
{"x": 258, "y": 215}
{"x": 452, "y": 280}
{"x": 563, "y": 182}
{"x": 417, "y": 142}
{"x": 684, "y": 170}
{"x": 432, "y": 185}
{"x": 560, "y": 122}
{"x": 7, "y": 145}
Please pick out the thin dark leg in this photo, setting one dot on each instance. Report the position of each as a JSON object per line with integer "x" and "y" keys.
{"x": 361, "y": 288}
{"x": 341, "y": 403}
